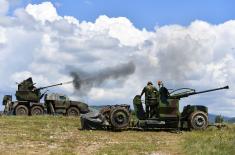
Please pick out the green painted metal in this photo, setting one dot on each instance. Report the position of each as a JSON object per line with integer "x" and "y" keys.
{"x": 166, "y": 109}
{"x": 28, "y": 100}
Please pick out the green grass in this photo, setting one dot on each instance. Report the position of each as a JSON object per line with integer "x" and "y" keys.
{"x": 21, "y": 135}
{"x": 210, "y": 142}
{"x": 61, "y": 135}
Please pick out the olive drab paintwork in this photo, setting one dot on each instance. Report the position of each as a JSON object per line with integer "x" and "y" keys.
{"x": 27, "y": 91}
{"x": 28, "y": 102}
{"x": 60, "y": 103}
{"x": 166, "y": 112}
{"x": 150, "y": 92}
{"x": 151, "y": 98}
{"x": 165, "y": 115}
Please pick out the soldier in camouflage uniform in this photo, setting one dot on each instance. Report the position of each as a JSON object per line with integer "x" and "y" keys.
{"x": 151, "y": 94}
{"x": 7, "y": 101}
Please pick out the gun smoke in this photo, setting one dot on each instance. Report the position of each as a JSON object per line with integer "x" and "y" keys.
{"x": 84, "y": 81}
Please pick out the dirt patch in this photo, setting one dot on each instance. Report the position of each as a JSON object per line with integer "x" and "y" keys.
{"x": 61, "y": 135}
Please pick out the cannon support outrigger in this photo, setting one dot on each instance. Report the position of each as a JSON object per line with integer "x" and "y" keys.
{"x": 165, "y": 114}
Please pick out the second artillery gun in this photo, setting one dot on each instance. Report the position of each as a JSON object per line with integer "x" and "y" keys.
{"x": 28, "y": 101}
{"x": 165, "y": 114}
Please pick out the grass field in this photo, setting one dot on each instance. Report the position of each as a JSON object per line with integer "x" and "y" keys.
{"x": 61, "y": 135}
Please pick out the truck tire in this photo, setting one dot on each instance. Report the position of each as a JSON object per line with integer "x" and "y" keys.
{"x": 198, "y": 120}
{"x": 21, "y": 110}
{"x": 119, "y": 118}
{"x": 73, "y": 111}
{"x": 36, "y": 110}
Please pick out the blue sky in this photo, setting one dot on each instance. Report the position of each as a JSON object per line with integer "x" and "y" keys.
{"x": 199, "y": 56}
{"x": 147, "y": 13}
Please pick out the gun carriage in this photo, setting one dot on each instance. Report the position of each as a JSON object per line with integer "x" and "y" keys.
{"x": 165, "y": 114}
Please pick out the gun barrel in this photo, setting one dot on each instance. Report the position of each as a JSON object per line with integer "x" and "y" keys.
{"x": 200, "y": 92}
{"x": 205, "y": 91}
{"x": 50, "y": 86}
{"x": 69, "y": 82}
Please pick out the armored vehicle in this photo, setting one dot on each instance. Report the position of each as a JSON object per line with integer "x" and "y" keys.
{"x": 28, "y": 101}
{"x": 164, "y": 114}
{"x": 60, "y": 104}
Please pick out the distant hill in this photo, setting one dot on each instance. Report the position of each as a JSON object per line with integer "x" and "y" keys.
{"x": 211, "y": 118}
{"x": 231, "y": 120}
{"x": 99, "y": 107}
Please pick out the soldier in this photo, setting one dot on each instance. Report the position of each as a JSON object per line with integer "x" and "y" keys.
{"x": 7, "y": 101}
{"x": 151, "y": 94}
{"x": 163, "y": 92}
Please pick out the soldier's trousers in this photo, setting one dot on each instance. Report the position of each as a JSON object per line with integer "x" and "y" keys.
{"x": 152, "y": 110}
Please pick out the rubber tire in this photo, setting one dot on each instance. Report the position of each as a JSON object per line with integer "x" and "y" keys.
{"x": 198, "y": 115}
{"x": 36, "y": 110}
{"x": 19, "y": 108}
{"x": 73, "y": 111}
{"x": 124, "y": 120}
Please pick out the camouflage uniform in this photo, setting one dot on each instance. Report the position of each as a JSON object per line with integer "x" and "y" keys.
{"x": 151, "y": 97}
{"x": 7, "y": 101}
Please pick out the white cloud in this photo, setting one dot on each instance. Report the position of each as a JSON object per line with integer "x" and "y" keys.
{"x": 101, "y": 94}
{"x": 4, "y": 6}
{"x": 43, "y": 12}
{"x": 120, "y": 28}
{"x": 2, "y": 36}
{"x": 40, "y": 43}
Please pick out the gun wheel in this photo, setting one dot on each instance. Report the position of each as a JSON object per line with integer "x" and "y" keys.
{"x": 21, "y": 110}
{"x": 198, "y": 120}
{"x": 73, "y": 111}
{"x": 36, "y": 110}
{"x": 119, "y": 117}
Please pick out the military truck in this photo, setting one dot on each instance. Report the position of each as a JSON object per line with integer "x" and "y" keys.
{"x": 165, "y": 114}
{"x": 28, "y": 102}
{"x": 60, "y": 104}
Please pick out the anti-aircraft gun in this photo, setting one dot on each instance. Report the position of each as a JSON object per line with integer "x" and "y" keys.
{"x": 28, "y": 92}
{"x": 28, "y": 101}
{"x": 166, "y": 112}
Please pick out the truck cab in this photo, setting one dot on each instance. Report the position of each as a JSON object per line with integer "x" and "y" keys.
{"x": 61, "y": 104}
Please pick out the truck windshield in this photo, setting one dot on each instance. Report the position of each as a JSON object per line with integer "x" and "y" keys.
{"x": 62, "y": 98}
